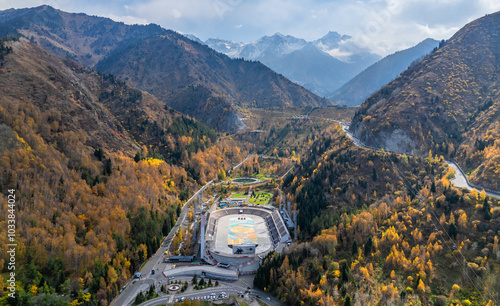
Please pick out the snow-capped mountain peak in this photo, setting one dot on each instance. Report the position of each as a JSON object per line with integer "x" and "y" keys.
{"x": 321, "y": 65}
{"x": 275, "y": 45}
{"x": 331, "y": 40}
{"x": 230, "y": 48}
{"x": 194, "y": 38}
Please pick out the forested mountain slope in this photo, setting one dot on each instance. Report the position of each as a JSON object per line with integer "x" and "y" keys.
{"x": 355, "y": 92}
{"x": 448, "y": 103}
{"x": 91, "y": 205}
{"x": 86, "y": 39}
{"x": 383, "y": 229}
{"x": 198, "y": 81}
{"x": 184, "y": 74}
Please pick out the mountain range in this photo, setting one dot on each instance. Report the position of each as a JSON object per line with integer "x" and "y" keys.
{"x": 355, "y": 92}
{"x": 85, "y": 39}
{"x": 182, "y": 73}
{"x": 69, "y": 99}
{"x": 101, "y": 163}
{"x": 448, "y": 103}
{"x": 322, "y": 65}
{"x": 198, "y": 81}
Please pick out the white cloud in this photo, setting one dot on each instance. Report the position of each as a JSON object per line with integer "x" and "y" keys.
{"x": 176, "y": 13}
{"x": 7, "y": 4}
{"x": 342, "y": 55}
{"x": 384, "y": 26}
{"x": 127, "y": 19}
{"x": 436, "y": 31}
{"x": 189, "y": 10}
{"x": 490, "y": 5}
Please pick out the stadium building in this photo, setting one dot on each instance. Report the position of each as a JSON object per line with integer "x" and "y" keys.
{"x": 239, "y": 237}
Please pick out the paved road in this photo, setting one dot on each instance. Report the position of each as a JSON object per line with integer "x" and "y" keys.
{"x": 460, "y": 180}
{"x": 239, "y": 165}
{"x": 286, "y": 172}
{"x": 228, "y": 288}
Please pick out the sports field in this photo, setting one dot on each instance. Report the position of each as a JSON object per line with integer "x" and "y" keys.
{"x": 241, "y": 230}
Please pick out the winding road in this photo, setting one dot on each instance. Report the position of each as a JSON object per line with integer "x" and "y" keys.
{"x": 460, "y": 180}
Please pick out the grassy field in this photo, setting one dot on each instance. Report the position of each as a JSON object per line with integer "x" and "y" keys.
{"x": 261, "y": 198}
{"x": 238, "y": 196}
{"x": 260, "y": 176}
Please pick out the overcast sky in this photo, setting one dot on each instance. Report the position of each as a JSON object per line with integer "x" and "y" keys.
{"x": 384, "y": 26}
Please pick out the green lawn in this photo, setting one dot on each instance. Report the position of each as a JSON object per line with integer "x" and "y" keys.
{"x": 261, "y": 198}
{"x": 238, "y": 195}
{"x": 260, "y": 176}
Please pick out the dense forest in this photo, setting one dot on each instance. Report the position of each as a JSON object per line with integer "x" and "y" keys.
{"x": 85, "y": 220}
{"x": 94, "y": 198}
{"x": 448, "y": 103}
{"x": 166, "y": 134}
{"x": 384, "y": 229}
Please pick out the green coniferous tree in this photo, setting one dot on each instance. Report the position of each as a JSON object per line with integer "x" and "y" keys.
{"x": 486, "y": 209}
{"x": 452, "y": 230}
{"x": 368, "y": 246}
{"x": 354, "y": 248}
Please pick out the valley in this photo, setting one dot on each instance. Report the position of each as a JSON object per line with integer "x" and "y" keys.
{"x": 309, "y": 63}
{"x": 151, "y": 168}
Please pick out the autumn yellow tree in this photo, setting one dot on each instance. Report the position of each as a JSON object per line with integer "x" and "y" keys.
{"x": 474, "y": 194}
{"x": 462, "y": 221}
{"x": 482, "y": 195}
{"x": 421, "y": 287}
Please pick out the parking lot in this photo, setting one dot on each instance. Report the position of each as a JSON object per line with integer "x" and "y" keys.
{"x": 205, "y": 297}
